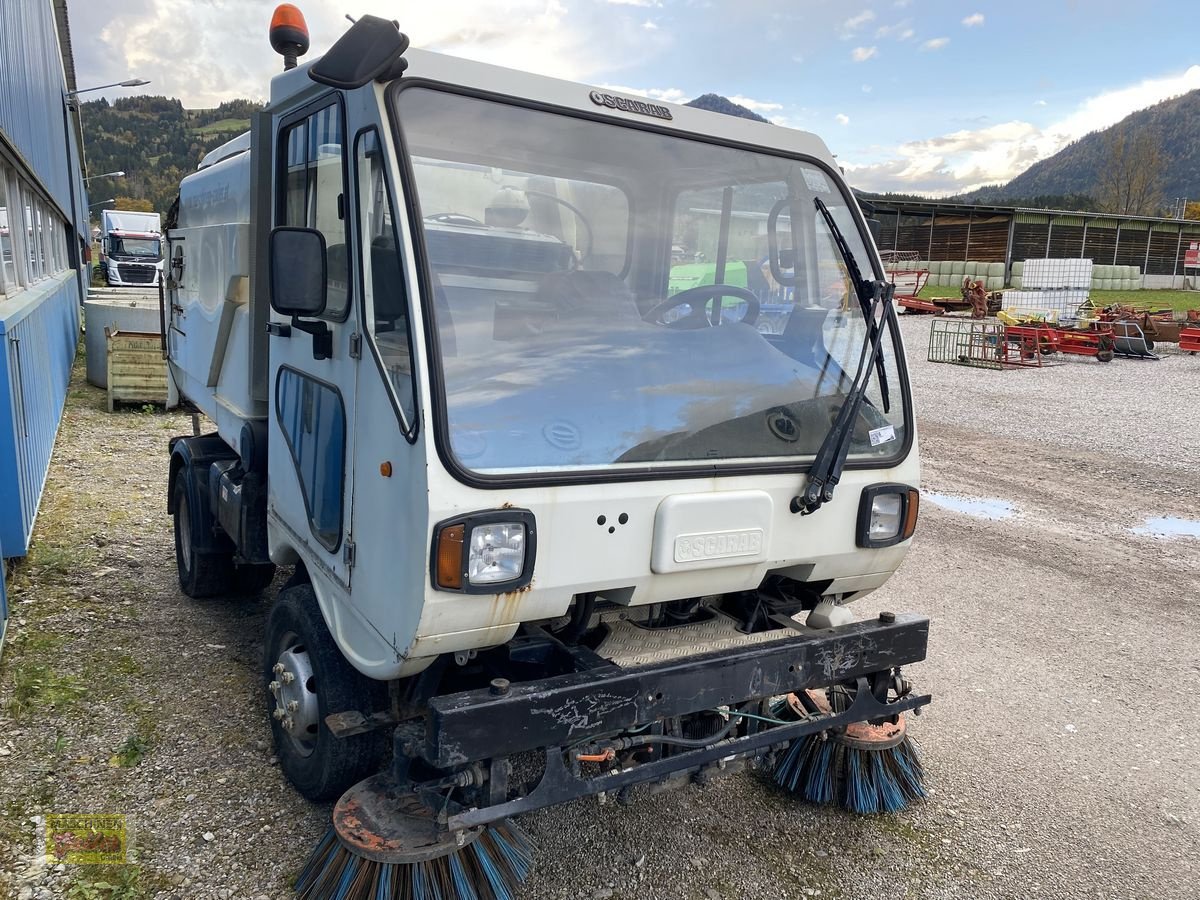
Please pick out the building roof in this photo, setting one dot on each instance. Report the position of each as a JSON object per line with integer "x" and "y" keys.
{"x": 955, "y": 208}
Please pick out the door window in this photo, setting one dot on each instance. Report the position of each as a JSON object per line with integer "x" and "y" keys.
{"x": 383, "y": 276}
{"x": 312, "y": 196}
{"x": 312, "y": 417}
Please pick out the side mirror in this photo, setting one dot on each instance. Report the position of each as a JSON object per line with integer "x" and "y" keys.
{"x": 298, "y": 276}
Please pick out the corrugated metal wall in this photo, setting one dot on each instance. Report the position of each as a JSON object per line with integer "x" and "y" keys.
{"x": 38, "y": 335}
{"x": 31, "y": 97}
{"x": 39, "y": 326}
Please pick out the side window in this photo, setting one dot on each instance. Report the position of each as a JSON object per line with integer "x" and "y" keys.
{"x": 314, "y": 175}
{"x": 312, "y": 418}
{"x": 383, "y": 274}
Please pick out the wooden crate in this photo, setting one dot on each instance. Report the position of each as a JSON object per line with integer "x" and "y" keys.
{"x": 137, "y": 372}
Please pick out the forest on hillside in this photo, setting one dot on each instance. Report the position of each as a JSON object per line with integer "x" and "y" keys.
{"x": 155, "y": 141}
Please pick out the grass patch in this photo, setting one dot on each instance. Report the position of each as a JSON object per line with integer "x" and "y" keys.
{"x": 32, "y": 667}
{"x": 223, "y": 126}
{"x": 1176, "y": 300}
{"x": 126, "y": 882}
{"x": 131, "y": 752}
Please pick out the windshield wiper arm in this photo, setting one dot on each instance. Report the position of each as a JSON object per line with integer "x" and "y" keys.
{"x": 826, "y": 469}
{"x": 864, "y": 290}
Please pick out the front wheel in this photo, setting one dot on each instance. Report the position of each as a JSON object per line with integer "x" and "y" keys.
{"x": 307, "y": 679}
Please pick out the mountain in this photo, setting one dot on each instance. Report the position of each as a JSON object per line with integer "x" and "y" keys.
{"x": 1072, "y": 175}
{"x": 717, "y": 103}
{"x": 155, "y": 141}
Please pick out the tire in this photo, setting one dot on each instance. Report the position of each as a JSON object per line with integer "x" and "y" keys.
{"x": 319, "y": 765}
{"x": 1105, "y": 356}
{"x": 202, "y": 573}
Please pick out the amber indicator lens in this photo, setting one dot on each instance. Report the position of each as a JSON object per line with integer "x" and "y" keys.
{"x": 450, "y": 557}
{"x": 910, "y": 515}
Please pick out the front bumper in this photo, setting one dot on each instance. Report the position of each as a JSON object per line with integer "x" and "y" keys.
{"x": 602, "y": 698}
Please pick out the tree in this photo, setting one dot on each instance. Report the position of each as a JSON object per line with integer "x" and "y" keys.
{"x": 1193, "y": 210}
{"x": 133, "y": 204}
{"x": 1131, "y": 173}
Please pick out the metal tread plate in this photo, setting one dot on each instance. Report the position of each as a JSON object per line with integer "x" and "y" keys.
{"x": 629, "y": 644}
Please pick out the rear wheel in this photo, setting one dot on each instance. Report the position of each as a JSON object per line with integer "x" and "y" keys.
{"x": 204, "y": 572}
{"x": 1105, "y": 356}
{"x": 308, "y": 679}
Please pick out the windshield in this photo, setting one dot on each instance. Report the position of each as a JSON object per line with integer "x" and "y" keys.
{"x": 141, "y": 248}
{"x": 605, "y": 296}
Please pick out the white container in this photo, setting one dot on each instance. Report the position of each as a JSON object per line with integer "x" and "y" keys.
{"x": 121, "y": 310}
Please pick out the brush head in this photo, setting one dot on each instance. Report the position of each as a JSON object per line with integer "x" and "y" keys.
{"x": 864, "y": 768}
{"x": 385, "y": 844}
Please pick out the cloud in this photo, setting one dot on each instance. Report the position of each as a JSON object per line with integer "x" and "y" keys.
{"x": 973, "y": 21}
{"x": 758, "y": 106}
{"x": 967, "y": 159}
{"x": 866, "y": 89}
{"x": 901, "y": 31}
{"x": 856, "y": 22}
{"x": 935, "y": 43}
{"x": 634, "y": 2}
{"x": 842, "y": 119}
{"x": 862, "y": 54}
{"x": 192, "y": 50}
{"x": 667, "y": 95}
{"x": 650, "y": 25}
{"x": 1039, "y": 102}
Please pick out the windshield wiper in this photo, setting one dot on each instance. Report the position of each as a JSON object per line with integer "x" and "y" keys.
{"x": 875, "y": 298}
{"x": 864, "y": 290}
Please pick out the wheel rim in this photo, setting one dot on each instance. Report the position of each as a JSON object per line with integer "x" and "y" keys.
{"x": 185, "y": 530}
{"x": 293, "y": 695}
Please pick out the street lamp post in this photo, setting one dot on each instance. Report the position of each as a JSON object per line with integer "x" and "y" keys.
{"x": 102, "y": 202}
{"x": 105, "y": 175}
{"x": 129, "y": 82}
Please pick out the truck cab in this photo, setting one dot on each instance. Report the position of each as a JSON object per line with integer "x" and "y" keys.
{"x": 465, "y": 380}
{"x": 130, "y": 247}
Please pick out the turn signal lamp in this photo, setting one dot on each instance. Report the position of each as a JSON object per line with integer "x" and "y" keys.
{"x": 887, "y": 514}
{"x": 289, "y": 34}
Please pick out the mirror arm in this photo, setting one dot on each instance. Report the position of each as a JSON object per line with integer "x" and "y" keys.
{"x": 322, "y": 337}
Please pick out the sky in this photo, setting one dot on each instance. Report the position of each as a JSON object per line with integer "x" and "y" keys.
{"x": 922, "y": 96}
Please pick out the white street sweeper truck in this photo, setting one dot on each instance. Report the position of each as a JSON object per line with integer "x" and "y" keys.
{"x": 557, "y": 524}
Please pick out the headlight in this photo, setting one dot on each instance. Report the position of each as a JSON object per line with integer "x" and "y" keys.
{"x": 484, "y": 553}
{"x": 497, "y": 553}
{"x": 887, "y": 514}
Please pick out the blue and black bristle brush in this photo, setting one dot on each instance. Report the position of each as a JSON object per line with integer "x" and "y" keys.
{"x": 864, "y": 768}
{"x": 384, "y": 844}
{"x": 491, "y": 867}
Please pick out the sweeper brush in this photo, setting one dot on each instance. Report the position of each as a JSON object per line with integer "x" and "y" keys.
{"x": 385, "y": 845}
{"x": 864, "y": 768}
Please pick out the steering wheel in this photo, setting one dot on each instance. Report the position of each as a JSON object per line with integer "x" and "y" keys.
{"x": 698, "y": 318}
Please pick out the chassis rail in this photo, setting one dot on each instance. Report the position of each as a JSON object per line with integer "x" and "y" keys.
{"x": 480, "y": 724}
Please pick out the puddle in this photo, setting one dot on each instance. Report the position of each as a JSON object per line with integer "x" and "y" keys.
{"x": 1169, "y": 527}
{"x": 979, "y": 507}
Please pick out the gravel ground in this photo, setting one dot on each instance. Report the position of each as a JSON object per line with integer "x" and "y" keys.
{"x": 1063, "y": 761}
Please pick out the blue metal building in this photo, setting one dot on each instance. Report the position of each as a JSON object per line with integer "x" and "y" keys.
{"x": 43, "y": 237}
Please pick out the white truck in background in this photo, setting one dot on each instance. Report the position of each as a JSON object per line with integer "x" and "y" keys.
{"x": 130, "y": 247}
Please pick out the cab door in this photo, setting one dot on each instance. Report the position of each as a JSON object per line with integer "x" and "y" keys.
{"x": 313, "y": 366}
